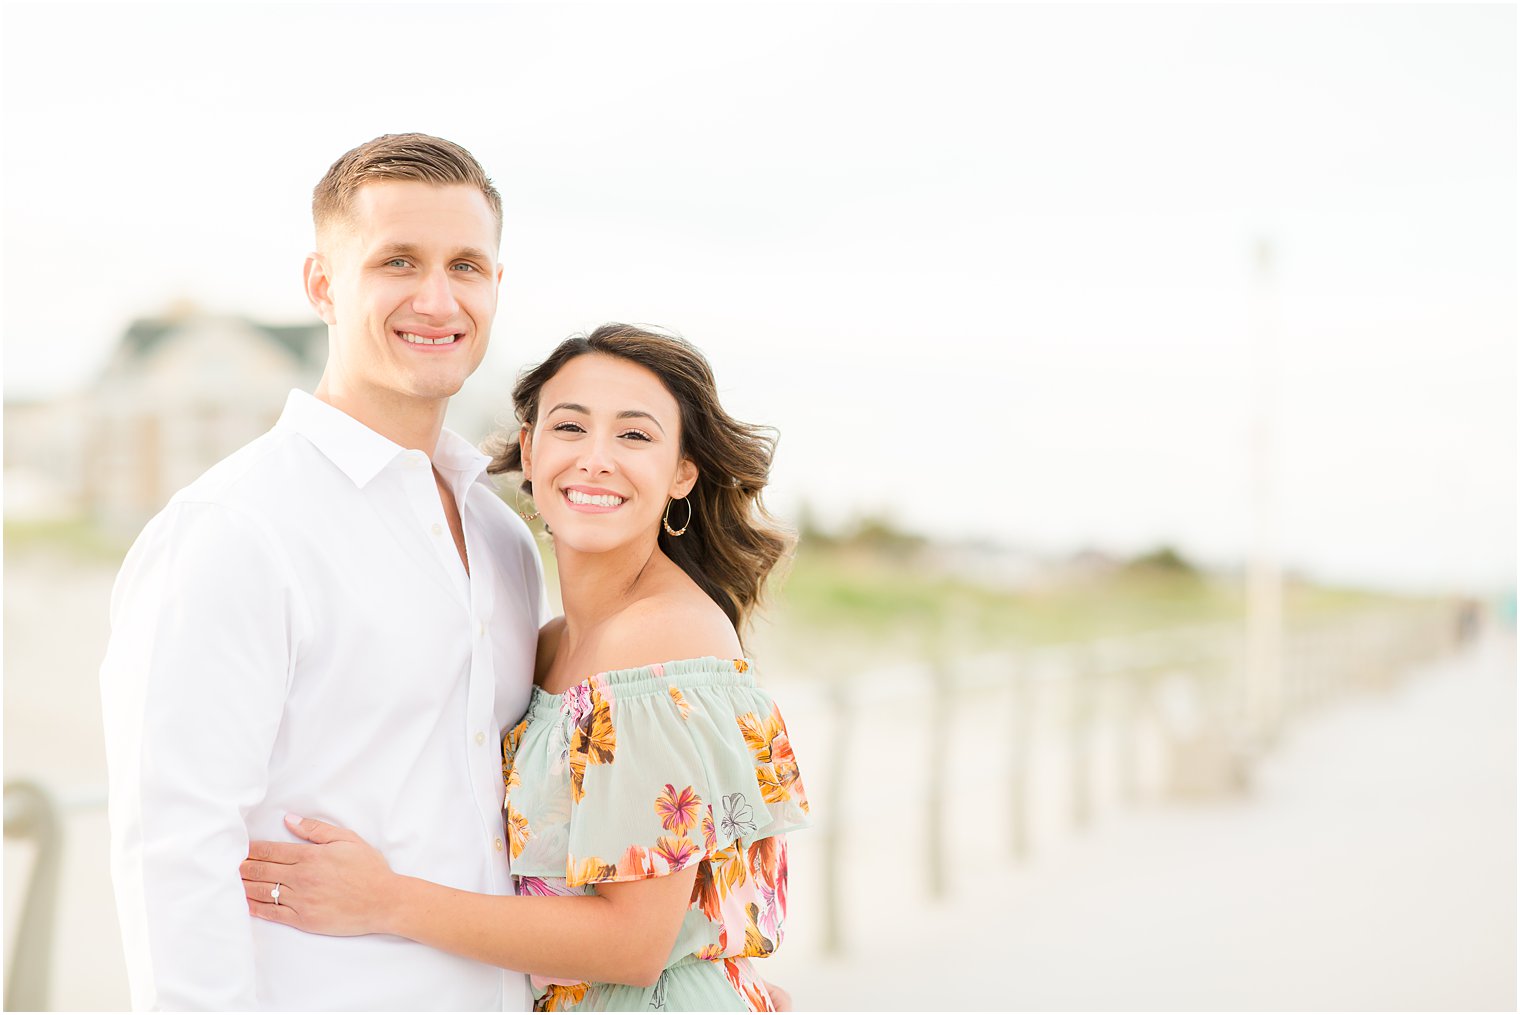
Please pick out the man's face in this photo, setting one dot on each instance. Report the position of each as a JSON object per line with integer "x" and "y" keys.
{"x": 408, "y": 285}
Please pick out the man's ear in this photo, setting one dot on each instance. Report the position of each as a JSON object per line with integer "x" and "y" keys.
{"x": 686, "y": 478}
{"x": 319, "y": 287}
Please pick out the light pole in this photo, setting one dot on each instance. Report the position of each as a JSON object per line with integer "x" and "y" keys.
{"x": 1264, "y": 593}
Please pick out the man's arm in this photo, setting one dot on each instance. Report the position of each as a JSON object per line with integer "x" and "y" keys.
{"x": 622, "y": 933}
{"x": 204, "y": 623}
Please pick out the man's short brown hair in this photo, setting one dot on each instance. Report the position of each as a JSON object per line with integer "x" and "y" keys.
{"x": 418, "y": 157}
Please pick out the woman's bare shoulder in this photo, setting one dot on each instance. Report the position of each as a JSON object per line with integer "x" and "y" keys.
{"x": 676, "y": 624}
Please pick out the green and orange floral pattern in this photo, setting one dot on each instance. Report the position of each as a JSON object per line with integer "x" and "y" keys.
{"x": 672, "y": 736}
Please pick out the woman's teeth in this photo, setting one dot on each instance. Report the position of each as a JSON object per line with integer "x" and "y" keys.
{"x": 407, "y": 336}
{"x": 597, "y": 500}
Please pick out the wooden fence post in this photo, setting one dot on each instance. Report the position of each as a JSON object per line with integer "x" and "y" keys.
{"x": 30, "y": 813}
{"x": 1020, "y": 751}
{"x": 1129, "y": 688}
{"x": 834, "y": 823}
{"x": 941, "y": 698}
{"x": 1080, "y": 685}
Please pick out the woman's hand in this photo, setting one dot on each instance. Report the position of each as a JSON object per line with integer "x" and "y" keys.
{"x": 779, "y": 998}
{"x": 341, "y": 885}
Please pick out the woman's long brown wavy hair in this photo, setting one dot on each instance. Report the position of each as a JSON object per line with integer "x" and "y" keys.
{"x": 732, "y": 543}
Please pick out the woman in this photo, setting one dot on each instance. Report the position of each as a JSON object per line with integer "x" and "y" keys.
{"x": 646, "y": 804}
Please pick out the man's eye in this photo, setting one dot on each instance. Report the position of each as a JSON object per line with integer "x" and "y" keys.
{"x": 466, "y": 267}
{"x": 397, "y": 262}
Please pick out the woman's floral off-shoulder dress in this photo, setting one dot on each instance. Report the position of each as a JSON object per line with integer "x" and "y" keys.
{"x": 639, "y": 773}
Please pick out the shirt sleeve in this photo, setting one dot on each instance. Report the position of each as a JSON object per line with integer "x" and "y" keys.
{"x": 204, "y": 625}
{"x": 666, "y": 776}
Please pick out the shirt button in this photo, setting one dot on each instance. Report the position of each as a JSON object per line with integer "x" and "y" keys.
{"x": 480, "y": 738}
{"x": 497, "y": 844}
{"x": 480, "y": 628}
{"x": 437, "y": 529}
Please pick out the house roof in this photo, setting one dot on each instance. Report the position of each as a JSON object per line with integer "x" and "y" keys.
{"x": 307, "y": 342}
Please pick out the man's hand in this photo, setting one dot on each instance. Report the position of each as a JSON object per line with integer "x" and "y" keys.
{"x": 341, "y": 885}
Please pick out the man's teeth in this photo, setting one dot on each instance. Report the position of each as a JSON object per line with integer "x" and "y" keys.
{"x": 599, "y": 500}
{"x": 407, "y": 336}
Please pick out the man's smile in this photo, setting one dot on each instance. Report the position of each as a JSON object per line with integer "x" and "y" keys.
{"x": 438, "y": 338}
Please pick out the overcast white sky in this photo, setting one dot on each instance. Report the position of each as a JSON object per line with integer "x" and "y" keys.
{"x": 990, "y": 265}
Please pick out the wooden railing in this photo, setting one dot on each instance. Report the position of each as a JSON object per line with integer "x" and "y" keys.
{"x": 1168, "y": 714}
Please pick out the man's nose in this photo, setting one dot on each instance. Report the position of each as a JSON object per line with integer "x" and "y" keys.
{"x": 435, "y": 295}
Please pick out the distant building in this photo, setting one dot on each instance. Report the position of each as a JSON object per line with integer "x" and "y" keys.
{"x": 989, "y": 564}
{"x": 181, "y": 392}
{"x": 1092, "y": 563}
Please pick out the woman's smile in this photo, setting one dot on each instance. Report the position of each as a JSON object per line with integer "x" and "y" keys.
{"x": 593, "y": 499}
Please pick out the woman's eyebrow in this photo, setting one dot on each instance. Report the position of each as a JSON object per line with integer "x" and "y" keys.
{"x": 625, "y": 414}
{"x": 637, "y": 414}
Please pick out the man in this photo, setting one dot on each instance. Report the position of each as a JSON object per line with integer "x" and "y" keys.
{"x": 337, "y": 621}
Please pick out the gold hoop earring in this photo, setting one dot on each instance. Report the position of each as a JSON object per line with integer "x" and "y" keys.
{"x": 519, "y": 496}
{"x": 666, "y": 520}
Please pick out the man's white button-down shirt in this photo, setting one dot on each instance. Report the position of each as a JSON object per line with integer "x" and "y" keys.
{"x": 296, "y": 634}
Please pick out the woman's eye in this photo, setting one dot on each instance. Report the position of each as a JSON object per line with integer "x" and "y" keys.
{"x": 637, "y": 435}
{"x": 567, "y": 428}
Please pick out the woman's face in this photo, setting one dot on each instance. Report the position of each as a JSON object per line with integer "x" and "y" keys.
{"x": 604, "y": 457}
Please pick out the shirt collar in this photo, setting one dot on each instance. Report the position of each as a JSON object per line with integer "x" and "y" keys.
{"x": 359, "y": 452}
{"x": 455, "y": 454}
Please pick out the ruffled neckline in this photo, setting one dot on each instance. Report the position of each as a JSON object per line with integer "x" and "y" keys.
{"x": 656, "y": 671}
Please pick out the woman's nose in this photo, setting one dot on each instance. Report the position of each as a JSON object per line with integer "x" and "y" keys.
{"x": 596, "y": 455}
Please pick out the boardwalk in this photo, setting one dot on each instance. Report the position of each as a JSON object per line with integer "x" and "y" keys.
{"x": 1373, "y": 867}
